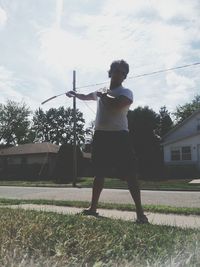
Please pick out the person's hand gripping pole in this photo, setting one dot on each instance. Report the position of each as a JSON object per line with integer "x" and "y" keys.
{"x": 70, "y": 93}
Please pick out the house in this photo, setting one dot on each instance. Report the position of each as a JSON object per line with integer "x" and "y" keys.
{"x": 30, "y": 161}
{"x": 181, "y": 147}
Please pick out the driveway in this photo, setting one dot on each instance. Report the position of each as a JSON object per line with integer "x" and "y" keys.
{"x": 169, "y": 198}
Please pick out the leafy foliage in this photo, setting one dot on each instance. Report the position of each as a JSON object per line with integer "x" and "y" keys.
{"x": 165, "y": 121}
{"x": 14, "y": 123}
{"x": 56, "y": 126}
{"x": 184, "y": 111}
{"x": 143, "y": 124}
{"x": 142, "y": 120}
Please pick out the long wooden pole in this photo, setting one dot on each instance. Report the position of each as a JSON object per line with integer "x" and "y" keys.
{"x": 74, "y": 133}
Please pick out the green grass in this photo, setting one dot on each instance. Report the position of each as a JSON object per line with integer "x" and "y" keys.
{"x": 85, "y": 204}
{"x": 33, "y": 183}
{"x": 170, "y": 185}
{"x": 30, "y": 238}
{"x": 113, "y": 183}
{"x": 181, "y": 184}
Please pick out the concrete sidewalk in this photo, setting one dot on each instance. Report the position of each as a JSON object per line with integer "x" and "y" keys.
{"x": 182, "y": 221}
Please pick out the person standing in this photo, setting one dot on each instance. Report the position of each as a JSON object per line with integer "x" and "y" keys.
{"x": 111, "y": 146}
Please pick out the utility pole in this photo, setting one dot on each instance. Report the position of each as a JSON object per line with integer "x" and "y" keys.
{"x": 74, "y": 133}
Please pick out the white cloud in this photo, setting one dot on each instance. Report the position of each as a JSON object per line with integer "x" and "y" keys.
{"x": 176, "y": 80}
{"x": 8, "y": 86}
{"x": 59, "y": 11}
{"x": 149, "y": 34}
{"x": 170, "y": 41}
{"x": 171, "y": 91}
{"x": 3, "y": 17}
{"x": 179, "y": 88}
{"x": 54, "y": 37}
{"x": 126, "y": 7}
{"x": 119, "y": 32}
{"x": 61, "y": 49}
{"x": 179, "y": 9}
{"x": 28, "y": 90}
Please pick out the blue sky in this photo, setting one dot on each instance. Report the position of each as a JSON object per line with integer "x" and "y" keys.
{"x": 43, "y": 41}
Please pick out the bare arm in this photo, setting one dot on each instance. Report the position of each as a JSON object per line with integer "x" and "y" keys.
{"x": 116, "y": 102}
{"x": 89, "y": 96}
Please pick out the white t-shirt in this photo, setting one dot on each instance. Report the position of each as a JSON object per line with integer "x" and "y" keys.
{"x": 109, "y": 118}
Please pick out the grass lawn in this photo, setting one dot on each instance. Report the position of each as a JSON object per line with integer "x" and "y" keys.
{"x": 149, "y": 185}
{"x": 31, "y": 238}
{"x": 113, "y": 183}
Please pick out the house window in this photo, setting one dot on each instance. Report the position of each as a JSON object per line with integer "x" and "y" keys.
{"x": 175, "y": 154}
{"x": 181, "y": 153}
{"x": 186, "y": 153}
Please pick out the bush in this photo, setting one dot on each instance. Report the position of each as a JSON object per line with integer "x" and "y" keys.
{"x": 181, "y": 171}
{"x": 28, "y": 172}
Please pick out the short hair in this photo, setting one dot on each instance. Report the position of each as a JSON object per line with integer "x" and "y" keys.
{"x": 116, "y": 63}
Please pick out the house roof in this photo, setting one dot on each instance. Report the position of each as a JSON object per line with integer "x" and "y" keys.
{"x": 179, "y": 139}
{"x": 181, "y": 124}
{"x": 32, "y": 148}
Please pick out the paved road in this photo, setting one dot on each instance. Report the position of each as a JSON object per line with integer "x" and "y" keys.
{"x": 171, "y": 198}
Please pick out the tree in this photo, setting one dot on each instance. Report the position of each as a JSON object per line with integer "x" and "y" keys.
{"x": 14, "y": 123}
{"x": 143, "y": 123}
{"x": 56, "y": 126}
{"x": 143, "y": 120}
{"x": 184, "y": 111}
{"x": 165, "y": 121}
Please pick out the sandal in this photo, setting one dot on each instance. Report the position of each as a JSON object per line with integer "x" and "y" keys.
{"x": 90, "y": 213}
{"x": 142, "y": 220}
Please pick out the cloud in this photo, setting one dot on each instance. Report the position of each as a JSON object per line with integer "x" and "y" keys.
{"x": 63, "y": 50}
{"x": 179, "y": 88}
{"x": 54, "y": 37}
{"x": 179, "y": 9}
{"x": 3, "y": 17}
{"x": 138, "y": 30}
{"x": 29, "y": 90}
{"x": 150, "y": 35}
{"x": 59, "y": 11}
{"x": 8, "y": 85}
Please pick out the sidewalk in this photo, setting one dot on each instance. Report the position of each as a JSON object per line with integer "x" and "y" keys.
{"x": 182, "y": 221}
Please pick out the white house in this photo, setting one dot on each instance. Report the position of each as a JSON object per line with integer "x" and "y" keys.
{"x": 181, "y": 145}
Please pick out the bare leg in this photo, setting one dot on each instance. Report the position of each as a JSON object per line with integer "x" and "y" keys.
{"x": 96, "y": 191}
{"x": 134, "y": 189}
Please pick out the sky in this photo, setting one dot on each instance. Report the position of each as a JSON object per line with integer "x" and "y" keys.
{"x": 43, "y": 41}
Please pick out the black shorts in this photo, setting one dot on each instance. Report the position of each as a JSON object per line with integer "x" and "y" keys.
{"x": 113, "y": 155}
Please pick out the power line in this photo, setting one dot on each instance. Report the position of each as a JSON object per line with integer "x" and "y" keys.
{"x": 137, "y": 76}
{"x": 145, "y": 74}
{"x": 141, "y": 75}
{"x": 190, "y": 88}
{"x": 165, "y": 70}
